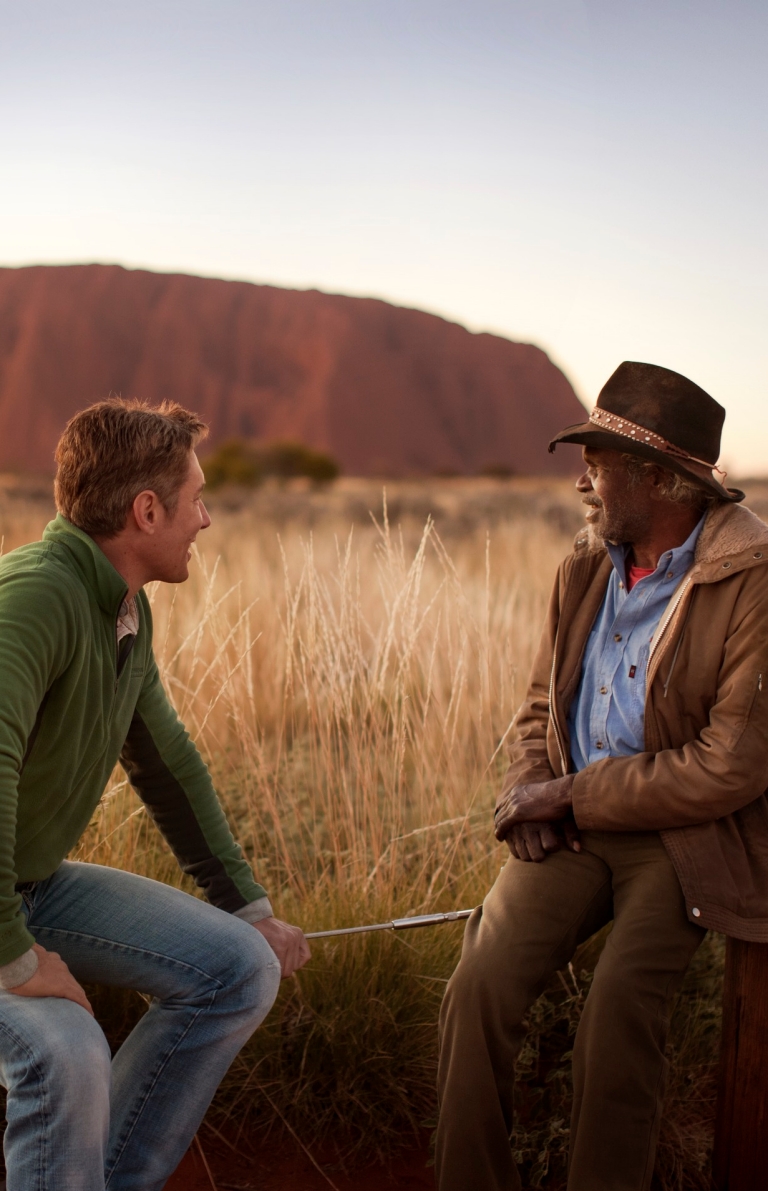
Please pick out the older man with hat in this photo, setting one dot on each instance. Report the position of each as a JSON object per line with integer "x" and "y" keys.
{"x": 635, "y": 793}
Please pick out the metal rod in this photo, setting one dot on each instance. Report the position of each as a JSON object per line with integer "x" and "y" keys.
{"x": 394, "y": 924}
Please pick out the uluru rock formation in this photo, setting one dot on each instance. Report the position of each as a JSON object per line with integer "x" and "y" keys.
{"x": 384, "y": 390}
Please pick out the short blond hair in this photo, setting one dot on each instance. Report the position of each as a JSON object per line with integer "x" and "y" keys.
{"x": 115, "y": 449}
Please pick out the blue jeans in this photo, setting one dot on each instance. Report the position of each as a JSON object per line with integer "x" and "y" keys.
{"x": 81, "y": 1121}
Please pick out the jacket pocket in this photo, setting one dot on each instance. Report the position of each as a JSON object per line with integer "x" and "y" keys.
{"x": 743, "y": 723}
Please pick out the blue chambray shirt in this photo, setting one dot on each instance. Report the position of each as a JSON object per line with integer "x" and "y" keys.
{"x": 606, "y": 718}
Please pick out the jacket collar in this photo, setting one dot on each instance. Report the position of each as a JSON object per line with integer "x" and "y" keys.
{"x": 733, "y": 539}
{"x": 106, "y": 584}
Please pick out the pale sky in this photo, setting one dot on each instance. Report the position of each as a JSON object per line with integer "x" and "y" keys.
{"x": 588, "y": 176}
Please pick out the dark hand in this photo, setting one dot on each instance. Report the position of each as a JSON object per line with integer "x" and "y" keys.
{"x": 534, "y": 841}
{"x": 539, "y": 802}
{"x": 287, "y": 942}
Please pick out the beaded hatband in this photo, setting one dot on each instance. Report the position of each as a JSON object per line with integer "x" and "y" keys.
{"x": 618, "y": 425}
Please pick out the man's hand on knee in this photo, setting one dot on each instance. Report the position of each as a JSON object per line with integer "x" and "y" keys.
{"x": 537, "y": 802}
{"x": 535, "y": 819}
{"x": 535, "y": 841}
{"x": 287, "y": 942}
{"x": 52, "y": 979}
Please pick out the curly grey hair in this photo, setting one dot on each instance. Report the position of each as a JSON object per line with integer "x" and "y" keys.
{"x": 673, "y": 486}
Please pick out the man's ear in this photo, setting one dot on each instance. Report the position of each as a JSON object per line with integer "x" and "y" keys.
{"x": 146, "y": 511}
{"x": 655, "y": 481}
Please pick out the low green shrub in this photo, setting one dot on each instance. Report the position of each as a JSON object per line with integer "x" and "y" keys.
{"x": 246, "y": 464}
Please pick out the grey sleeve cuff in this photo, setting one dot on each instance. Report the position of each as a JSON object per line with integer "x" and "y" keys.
{"x": 253, "y": 912}
{"x": 20, "y": 970}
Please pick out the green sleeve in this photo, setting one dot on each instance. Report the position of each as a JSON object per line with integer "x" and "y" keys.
{"x": 170, "y": 777}
{"x": 36, "y": 635}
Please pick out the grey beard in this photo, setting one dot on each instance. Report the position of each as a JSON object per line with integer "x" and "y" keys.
{"x": 620, "y": 528}
{"x": 595, "y": 537}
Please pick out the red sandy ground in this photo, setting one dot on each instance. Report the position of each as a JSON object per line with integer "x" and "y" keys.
{"x": 283, "y": 1168}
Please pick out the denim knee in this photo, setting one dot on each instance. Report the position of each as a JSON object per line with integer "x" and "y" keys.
{"x": 248, "y": 967}
{"x": 56, "y": 1043}
{"x": 77, "y": 1059}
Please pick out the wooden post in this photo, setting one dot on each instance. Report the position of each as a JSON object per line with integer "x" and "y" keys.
{"x": 740, "y": 1160}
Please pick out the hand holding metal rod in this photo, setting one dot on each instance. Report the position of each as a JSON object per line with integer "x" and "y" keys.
{"x": 394, "y": 924}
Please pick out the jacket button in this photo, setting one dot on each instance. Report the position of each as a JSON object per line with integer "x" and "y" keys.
{"x": 603, "y": 690}
{"x": 726, "y": 566}
{"x": 598, "y": 744}
{"x": 617, "y": 636}
{"x": 758, "y": 554}
{"x": 696, "y": 912}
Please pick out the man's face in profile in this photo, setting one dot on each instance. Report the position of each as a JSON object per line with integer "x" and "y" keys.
{"x": 177, "y": 531}
{"x": 618, "y": 508}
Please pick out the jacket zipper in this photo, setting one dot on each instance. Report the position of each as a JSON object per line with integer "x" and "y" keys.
{"x": 552, "y": 715}
{"x": 117, "y": 676}
{"x": 564, "y": 760}
{"x": 667, "y": 618}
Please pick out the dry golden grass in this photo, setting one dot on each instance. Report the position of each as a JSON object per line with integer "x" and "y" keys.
{"x": 351, "y": 685}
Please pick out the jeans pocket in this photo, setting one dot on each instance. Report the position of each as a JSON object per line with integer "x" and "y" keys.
{"x": 28, "y": 891}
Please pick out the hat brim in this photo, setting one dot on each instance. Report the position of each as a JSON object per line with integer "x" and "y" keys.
{"x": 586, "y": 434}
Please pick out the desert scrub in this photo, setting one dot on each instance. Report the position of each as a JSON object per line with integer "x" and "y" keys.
{"x": 352, "y": 693}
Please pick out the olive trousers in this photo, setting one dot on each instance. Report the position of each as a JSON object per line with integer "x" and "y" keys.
{"x": 529, "y": 926}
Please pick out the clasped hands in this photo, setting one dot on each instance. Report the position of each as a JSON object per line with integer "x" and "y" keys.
{"x": 537, "y": 819}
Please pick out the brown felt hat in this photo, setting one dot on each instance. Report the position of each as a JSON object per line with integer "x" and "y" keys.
{"x": 660, "y": 415}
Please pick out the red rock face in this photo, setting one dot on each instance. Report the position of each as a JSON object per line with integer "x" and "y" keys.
{"x": 385, "y": 390}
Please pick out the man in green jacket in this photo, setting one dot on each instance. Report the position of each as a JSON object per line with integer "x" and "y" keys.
{"x": 80, "y": 690}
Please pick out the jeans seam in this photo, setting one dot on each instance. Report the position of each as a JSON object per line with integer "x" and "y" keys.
{"x": 111, "y": 945}
{"x": 121, "y": 1147}
{"x": 44, "y": 1107}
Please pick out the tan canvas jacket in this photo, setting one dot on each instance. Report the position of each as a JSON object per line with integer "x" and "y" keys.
{"x": 702, "y": 780}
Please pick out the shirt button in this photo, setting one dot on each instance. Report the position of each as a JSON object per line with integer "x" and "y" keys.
{"x": 617, "y": 637}
{"x": 670, "y": 575}
{"x": 603, "y": 690}
{"x": 598, "y": 744}
{"x": 696, "y": 912}
{"x": 621, "y": 585}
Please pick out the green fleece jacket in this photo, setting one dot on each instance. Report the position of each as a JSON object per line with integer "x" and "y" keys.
{"x": 71, "y": 705}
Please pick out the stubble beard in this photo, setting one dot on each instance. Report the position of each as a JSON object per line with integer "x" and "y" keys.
{"x": 624, "y": 523}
